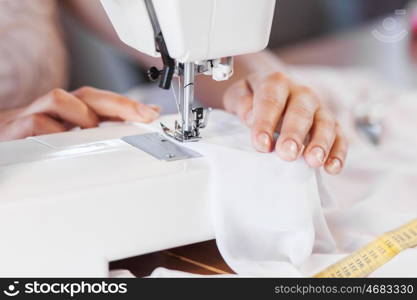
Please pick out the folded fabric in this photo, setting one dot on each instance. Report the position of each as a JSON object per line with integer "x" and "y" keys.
{"x": 265, "y": 211}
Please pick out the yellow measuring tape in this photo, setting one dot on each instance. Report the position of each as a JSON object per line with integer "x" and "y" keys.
{"x": 366, "y": 260}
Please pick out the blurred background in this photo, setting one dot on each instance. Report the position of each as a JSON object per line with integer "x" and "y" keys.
{"x": 297, "y": 20}
{"x": 329, "y": 32}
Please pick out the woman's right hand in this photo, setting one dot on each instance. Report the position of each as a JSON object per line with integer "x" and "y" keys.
{"x": 59, "y": 111}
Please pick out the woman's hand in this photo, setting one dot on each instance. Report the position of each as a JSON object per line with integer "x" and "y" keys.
{"x": 60, "y": 111}
{"x": 274, "y": 102}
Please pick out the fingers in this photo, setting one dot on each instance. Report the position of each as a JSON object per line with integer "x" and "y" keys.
{"x": 82, "y": 108}
{"x": 275, "y": 102}
{"x": 36, "y": 124}
{"x": 270, "y": 98}
{"x": 110, "y": 105}
{"x": 338, "y": 153}
{"x": 238, "y": 100}
{"x": 65, "y": 106}
{"x": 297, "y": 122}
{"x": 322, "y": 138}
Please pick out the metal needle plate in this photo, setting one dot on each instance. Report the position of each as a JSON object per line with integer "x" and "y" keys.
{"x": 160, "y": 147}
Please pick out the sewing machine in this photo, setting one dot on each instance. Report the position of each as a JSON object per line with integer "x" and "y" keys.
{"x": 192, "y": 37}
{"x": 74, "y": 201}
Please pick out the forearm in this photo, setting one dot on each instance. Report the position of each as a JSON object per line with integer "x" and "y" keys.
{"x": 32, "y": 52}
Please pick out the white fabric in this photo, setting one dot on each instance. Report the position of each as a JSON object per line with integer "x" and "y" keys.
{"x": 273, "y": 218}
{"x": 259, "y": 226}
{"x": 377, "y": 190}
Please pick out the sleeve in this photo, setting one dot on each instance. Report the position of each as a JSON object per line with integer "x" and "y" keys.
{"x": 33, "y": 58}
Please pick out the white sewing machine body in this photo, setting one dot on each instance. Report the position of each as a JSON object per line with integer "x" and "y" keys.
{"x": 194, "y": 29}
{"x": 74, "y": 201}
{"x": 192, "y": 37}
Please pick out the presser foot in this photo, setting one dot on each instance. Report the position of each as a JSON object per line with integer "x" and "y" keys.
{"x": 179, "y": 135}
{"x": 199, "y": 122}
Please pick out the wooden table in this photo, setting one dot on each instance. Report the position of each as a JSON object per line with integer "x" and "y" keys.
{"x": 202, "y": 258}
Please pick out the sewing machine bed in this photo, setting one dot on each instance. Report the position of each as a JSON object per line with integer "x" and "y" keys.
{"x": 72, "y": 202}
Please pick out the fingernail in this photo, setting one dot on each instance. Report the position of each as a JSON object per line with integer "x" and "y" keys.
{"x": 152, "y": 113}
{"x": 249, "y": 118}
{"x": 316, "y": 156}
{"x": 156, "y": 108}
{"x": 263, "y": 142}
{"x": 301, "y": 152}
{"x": 147, "y": 112}
{"x": 334, "y": 166}
{"x": 289, "y": 150}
